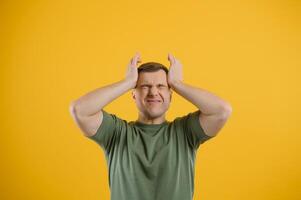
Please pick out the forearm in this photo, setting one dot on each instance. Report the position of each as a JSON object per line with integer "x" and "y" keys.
{"x": 206, "y": 102}
{"x": 95, "y": 100}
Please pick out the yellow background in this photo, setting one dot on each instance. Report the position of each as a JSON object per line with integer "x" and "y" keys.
{"x": 53, "y": 52}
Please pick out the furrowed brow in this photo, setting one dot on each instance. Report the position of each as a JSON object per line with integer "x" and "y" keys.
{"x": 145, "y": 84}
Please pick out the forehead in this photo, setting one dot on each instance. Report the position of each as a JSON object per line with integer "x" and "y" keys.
{"x": 152, "y": 77}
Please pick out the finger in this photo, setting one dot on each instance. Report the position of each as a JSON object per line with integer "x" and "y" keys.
{"x": 140, "y": 60}
{"x": 134, "y": 61}
{"x": 139, "y": 57}
{"x": 136, "y": 58}
{"x": 174, "y": 59}
{"x": 131, "y": 63}
{"x": 170, "y": 58}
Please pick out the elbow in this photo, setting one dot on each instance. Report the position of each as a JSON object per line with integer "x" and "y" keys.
{"x": 72, "y": 109}
{"x": 226, "y": 110}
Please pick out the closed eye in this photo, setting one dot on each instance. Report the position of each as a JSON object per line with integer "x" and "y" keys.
{"x": 149, "y": 86}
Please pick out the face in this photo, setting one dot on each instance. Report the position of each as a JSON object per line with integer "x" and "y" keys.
{"x": 152, "y": 94}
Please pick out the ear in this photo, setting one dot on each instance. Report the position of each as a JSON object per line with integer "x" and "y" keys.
{"x": 133, "y": 94}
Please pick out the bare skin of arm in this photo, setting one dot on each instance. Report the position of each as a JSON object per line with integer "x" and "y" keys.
{"x": 86, "y": 111}
{"x": 214, "y": 110}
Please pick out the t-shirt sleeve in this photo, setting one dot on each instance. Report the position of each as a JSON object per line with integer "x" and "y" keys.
{"x": 109, "y": 131}
{"x": 193, "y": 130}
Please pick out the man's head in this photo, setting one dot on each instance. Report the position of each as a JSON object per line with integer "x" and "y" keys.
{"x": 152, "y": 93}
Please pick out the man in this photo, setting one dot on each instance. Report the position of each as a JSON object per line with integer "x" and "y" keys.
{"x": 151, "y": 158}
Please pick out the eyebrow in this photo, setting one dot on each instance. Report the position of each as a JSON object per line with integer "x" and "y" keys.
{"x": 145, "y": 84}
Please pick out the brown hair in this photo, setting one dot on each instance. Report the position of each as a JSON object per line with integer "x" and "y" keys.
{"x": 152, "y": 67}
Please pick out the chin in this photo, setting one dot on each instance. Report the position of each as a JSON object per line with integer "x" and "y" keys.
{"x": 156, "y": 114}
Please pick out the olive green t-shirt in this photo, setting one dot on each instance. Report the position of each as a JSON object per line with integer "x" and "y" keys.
{"x": 150, "y": 161}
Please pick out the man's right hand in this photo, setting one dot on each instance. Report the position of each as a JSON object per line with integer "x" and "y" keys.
{"x": 132, "y": 71}
{"x": 87, "y": 110}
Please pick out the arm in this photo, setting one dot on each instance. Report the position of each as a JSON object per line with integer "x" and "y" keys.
{"x": 86, "y": 111}
{"x": 214, "y": 110}
{"x": 94, "y": 101}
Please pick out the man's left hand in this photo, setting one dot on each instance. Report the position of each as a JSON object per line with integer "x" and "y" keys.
{"x": 175, "y": 74}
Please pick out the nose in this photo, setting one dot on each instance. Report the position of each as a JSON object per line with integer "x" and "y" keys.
{"x": 153, "y": 91}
